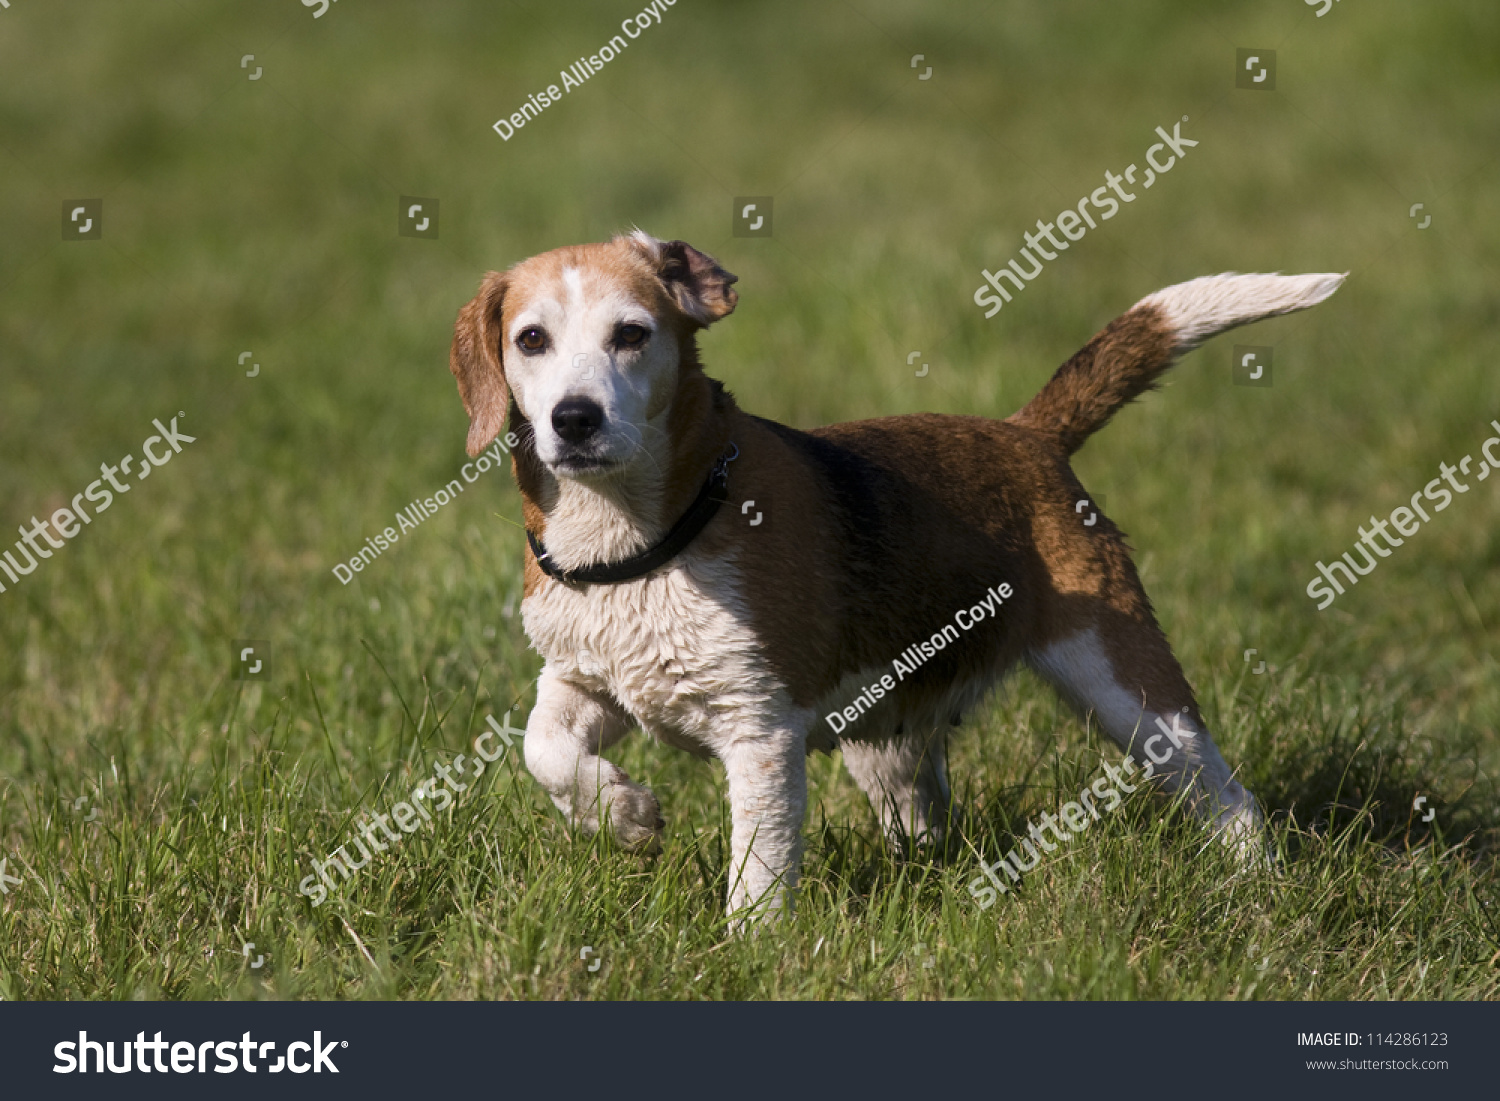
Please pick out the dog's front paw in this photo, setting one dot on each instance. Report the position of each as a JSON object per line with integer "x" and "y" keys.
{"x": 635, "y": 816}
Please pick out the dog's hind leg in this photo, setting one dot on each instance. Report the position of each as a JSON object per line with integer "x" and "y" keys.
{"x": 906, "y": 778}
{"x": 1117, "y": 664}
{"x": 564, "y": 735}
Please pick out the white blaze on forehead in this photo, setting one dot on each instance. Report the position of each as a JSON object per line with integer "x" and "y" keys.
{"x": 581, "y": 317}
{"x": 573, "y": 284}
{"x": 581, "y": 308}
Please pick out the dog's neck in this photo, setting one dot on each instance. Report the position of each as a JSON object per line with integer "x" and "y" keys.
{"x": 609, "y": 520}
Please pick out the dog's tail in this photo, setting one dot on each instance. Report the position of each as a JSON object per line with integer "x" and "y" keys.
{"x": 1133, "y": 351}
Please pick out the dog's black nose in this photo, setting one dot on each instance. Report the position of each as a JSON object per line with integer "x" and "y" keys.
{"x": 576, "y": 419}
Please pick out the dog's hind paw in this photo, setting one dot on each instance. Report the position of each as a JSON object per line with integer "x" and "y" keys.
{"x": 1243, "y": 831}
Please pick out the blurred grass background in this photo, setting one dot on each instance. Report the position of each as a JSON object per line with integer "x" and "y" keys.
{"x": 261, "y": 216}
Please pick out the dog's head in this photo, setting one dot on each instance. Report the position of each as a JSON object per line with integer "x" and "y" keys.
{"x": 589, "y": 341}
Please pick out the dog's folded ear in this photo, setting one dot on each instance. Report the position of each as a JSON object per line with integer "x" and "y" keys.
{"x": 475, "y": 363}
{"x": 702, "y": 290}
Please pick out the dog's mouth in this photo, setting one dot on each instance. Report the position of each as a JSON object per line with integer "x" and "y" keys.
{"x": 576, "y": 465}
{"x": 599, "y": 456}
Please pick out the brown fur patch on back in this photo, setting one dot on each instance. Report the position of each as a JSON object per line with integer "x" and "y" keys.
{"x": 881, "y": 532}
{"x": 890, "y": 527}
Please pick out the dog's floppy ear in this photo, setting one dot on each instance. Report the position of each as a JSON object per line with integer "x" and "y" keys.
{"x": 702, "y": 290}
{"x": 475, "y": 363}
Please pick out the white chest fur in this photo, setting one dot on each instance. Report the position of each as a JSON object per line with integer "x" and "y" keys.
{"x": 674, "y": 649}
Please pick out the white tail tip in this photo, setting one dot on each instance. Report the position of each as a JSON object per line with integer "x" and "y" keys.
{"x": 1199, "y": 308}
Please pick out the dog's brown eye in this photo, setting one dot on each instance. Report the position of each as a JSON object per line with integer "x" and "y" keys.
{"x": 532, "y": 339}
{"x": 632, "y": 336}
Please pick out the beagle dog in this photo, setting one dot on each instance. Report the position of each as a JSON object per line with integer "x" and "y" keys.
{"x": 745, "y": 590}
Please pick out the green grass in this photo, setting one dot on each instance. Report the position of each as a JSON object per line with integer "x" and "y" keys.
{"x": 261, "y": 215}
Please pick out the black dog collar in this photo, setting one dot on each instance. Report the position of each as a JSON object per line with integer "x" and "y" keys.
{"x": 694, "y": 520}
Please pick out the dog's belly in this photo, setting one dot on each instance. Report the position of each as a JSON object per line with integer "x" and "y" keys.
{"x": 902, "y": 710}
{"x": 674, "y": 650}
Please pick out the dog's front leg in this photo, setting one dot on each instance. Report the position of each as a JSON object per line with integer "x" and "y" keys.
{"x": 767, "y": 774}
{"x": 564, "y": 735}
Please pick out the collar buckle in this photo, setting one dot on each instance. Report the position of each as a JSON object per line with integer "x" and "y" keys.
{"x": 721, "y": 468}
